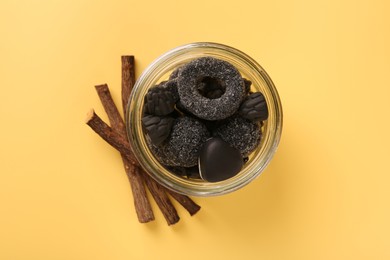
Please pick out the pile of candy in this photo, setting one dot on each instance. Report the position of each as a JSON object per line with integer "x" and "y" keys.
{"x": 204, "y": 121}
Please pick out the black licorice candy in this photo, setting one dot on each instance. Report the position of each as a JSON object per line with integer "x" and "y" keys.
{"x": 240, "y": 133}
{"x": 219, "y": 161}
{"x": 254, "y": 107}
{"x": 209, "y": 75}
{"x": 183, "y": 144}
{"x": 210, "y": 105}
{"x": 159, "y": 101}
{"x": 157, "y": 128}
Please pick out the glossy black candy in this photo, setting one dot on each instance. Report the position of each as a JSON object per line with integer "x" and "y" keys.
{"x": 157, "y": 128}
{"x": 219, "y": 161}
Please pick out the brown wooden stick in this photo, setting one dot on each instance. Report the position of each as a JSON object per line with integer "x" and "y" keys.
{"x": 160, "y": 196}
{"x": 142, "y": 205}
{"x": 186, "y": 202}
{"x": 112, "y": 111}
{"x": 114, "y": 139}
{"x": 110, "y": 136}
{"x": 128, "y": 79}
{"x": 117, "y": 123}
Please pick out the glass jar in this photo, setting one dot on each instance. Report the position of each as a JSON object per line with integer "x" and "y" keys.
{"x": 158, "y": 71}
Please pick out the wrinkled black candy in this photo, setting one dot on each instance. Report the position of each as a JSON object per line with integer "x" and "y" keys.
{"x": 254, "y": 107}
{"x": 157, "y": 128}
{"x": 219, "y": 161}
{"x": 159, "y": 101}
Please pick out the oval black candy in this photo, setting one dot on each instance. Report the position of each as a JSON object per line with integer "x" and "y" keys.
{"x": 219, "y": 161}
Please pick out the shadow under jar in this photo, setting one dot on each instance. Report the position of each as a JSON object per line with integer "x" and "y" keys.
{"x": 159, "y": 71}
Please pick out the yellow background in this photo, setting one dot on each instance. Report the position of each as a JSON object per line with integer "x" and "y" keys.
{"x": 325, "y": 195}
